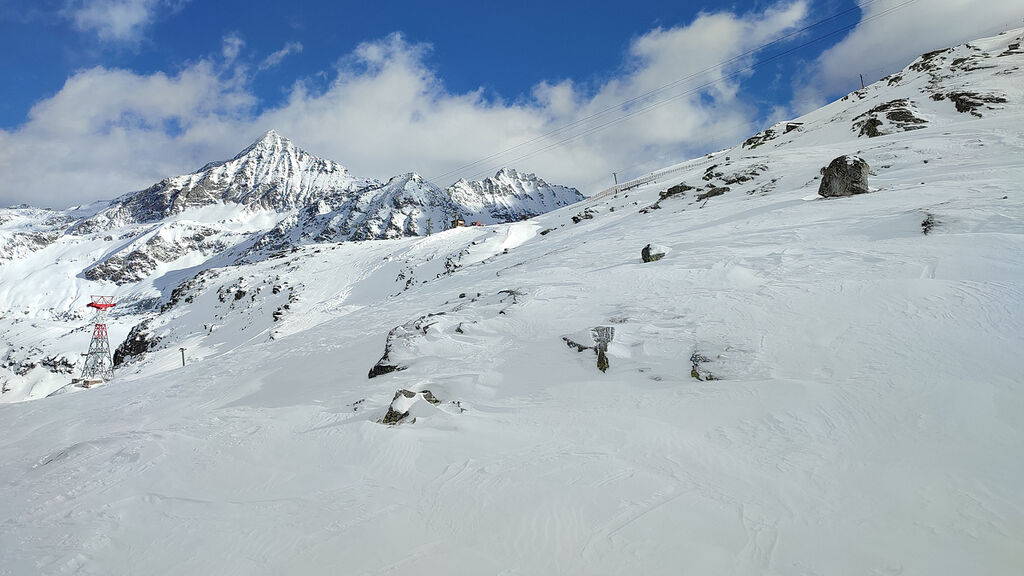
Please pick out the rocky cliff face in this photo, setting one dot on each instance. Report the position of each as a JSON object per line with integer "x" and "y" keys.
{"x": 510, "y": 195}
{"x": 408, "y": 205}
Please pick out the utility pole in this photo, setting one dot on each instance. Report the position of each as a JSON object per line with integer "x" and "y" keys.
{"x": 615, "y": 176}
{"x": 182, "y": 356}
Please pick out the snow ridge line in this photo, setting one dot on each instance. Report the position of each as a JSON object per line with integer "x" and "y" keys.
{"x": 652, "y": 177}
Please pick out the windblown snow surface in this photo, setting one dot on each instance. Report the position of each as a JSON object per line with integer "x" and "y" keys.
{"x": 800, "y": 386}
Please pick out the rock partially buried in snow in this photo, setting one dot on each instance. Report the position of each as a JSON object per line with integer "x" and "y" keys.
{"x": 403, "y": 402}
{"x": 602, "y": 336}
{"x": 845, "y": 176}
{"x": 654, "y": 252}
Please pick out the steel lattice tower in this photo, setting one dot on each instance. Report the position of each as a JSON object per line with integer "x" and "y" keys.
{"x": 98, "y": 362}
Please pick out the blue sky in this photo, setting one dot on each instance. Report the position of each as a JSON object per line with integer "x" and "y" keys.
{"x": 101, "y": 97}
{"x": 504, "y": 47}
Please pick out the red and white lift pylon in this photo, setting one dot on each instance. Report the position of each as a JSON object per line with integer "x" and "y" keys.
{"x": 99, "y": 366}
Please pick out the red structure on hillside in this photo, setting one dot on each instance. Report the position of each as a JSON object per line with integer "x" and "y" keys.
{"x": 101, "y": 302}
{"x": 99, "y": 366}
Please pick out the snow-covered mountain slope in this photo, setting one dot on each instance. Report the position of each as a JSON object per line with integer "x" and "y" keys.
{"x": 266, "y": 198}
{"x": 271, "y": 174}
{"x": 799, "y": 386}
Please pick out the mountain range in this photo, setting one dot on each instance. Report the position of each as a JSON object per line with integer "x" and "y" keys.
{"x": 278, "y": 196}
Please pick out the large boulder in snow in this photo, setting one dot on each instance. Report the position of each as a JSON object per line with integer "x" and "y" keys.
{"x": 654, "y": 252}
{"x": 845, "y": 176}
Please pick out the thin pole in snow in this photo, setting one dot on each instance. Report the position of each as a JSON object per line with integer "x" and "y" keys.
{"x": 182, "y": 356}
{"x": 861, "y": 81}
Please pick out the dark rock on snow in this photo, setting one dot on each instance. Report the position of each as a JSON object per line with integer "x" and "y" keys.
{"x": 845, "y": 176}
{"x": 653, "y": 252}
{"x": 135, "y": 346}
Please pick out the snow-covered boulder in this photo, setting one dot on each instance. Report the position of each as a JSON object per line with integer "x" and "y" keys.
{"x": 654, "y": 252}
{"x": 845, "y": 176}
{"x": 406, "y": 401}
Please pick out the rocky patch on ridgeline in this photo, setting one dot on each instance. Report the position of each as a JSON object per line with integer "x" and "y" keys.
{"x": 972, "y": 102}
{"x": 712, "y": 192}
{"x": 169, "y": 242}
{"x": 677, "y": 191}
{"x": 929, "y": 61}
{"x": 844, "y": 176}
{"x": 899, "y": 115}
{"x": 769, "y": 134}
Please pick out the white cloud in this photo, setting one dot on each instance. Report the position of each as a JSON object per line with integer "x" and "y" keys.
{"x": 889, "y": 37}
{"x": 116, "y": 20}
{"x": 231, "y": 46}
{"x": 276, "y": 58}
{"x": 110, "y": 131}
{"x": 384, "y": 112}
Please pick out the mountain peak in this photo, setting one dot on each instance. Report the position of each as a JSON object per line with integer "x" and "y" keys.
{"x": 271, "y": 140}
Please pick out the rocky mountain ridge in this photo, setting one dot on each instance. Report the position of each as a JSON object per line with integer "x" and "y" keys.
{"x": 275, "y": 194}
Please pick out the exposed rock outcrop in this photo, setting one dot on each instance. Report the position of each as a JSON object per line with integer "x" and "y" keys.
{"x": 654, "y": 252}
{"x": 135, "y": 346}
{"x": 601, "y": 336}
{"x": 845, "y": 176}
{"x": 401, "y": 404}
{"x": 400, "y": 337}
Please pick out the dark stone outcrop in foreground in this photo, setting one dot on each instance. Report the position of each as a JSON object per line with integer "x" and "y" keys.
{"x": 845, "y": 176}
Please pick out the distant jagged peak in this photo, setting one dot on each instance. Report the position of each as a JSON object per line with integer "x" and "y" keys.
{"x": 506, "y": 175}
{"x": 407, "y": 177}
{"x": 270, "y": 149}
{"x": 271, "y": 140}
{"x": 507, "y": 180}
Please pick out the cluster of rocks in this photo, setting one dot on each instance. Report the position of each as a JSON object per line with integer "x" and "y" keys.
{"x": 894, "y": 116}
